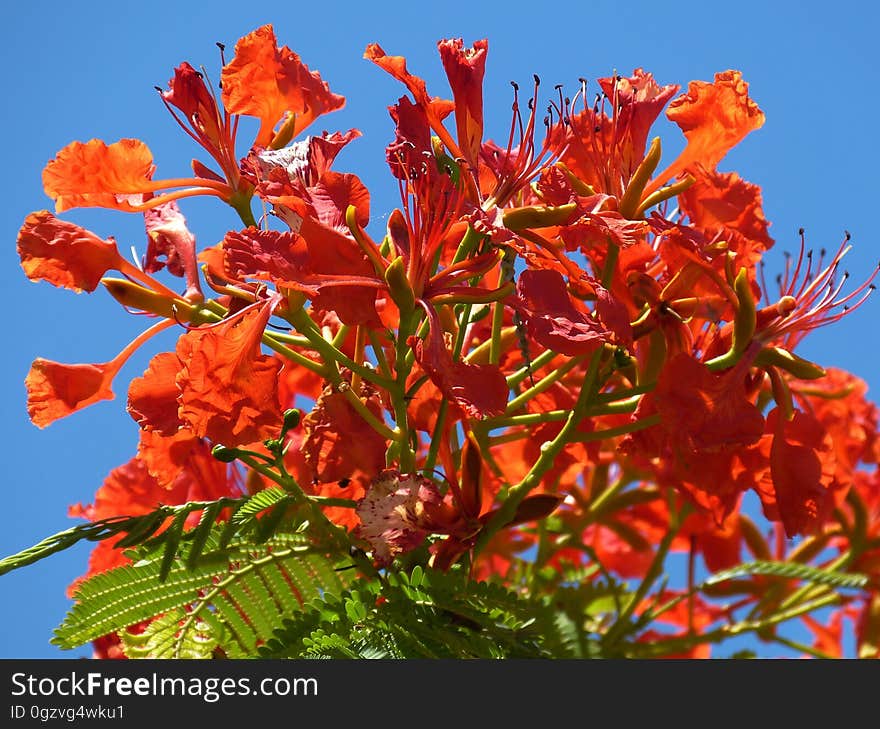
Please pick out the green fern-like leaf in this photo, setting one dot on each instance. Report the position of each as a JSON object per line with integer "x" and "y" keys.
{"x": 231, "y": 599}
{"x": 428, "y": 614}
{"x": 259, "y": 502}
{"x": 793, "y": 570}
{"x": 147, "y": 528}
{"x": 162, "y": 637}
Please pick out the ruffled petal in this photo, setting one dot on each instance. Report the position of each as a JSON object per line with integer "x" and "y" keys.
{"x": 64, "y": 254}
{"x": 228, "y": 388}
{"x": 95, "y": 174}
{"x": 56, "y": 390}
{"x": 271, "y": 83}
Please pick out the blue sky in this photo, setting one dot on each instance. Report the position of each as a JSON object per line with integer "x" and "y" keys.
{"x": 84, "y": 70}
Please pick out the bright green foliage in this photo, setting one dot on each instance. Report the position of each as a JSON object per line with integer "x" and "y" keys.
{"x": 262, "y": 584}
{"x": 228, "y": 602}
{"x": 428, "y": 614}
{"x": 163, "y": 638}
{"x": 792, "y": 570}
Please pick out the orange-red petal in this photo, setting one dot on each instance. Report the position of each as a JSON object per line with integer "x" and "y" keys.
{"x": 152, "y": 398}
{"x": 228, "y": 388}
{"x": 714, "y": 117}
{"x": 802, "y": 466}
{"x": 268, "y": 83}
{"x": 95, "y": 174}
{"x": 338, "y": 442}
{"x": 64, "y": 254}
{"x": 435, "y": 108}
{"x": 465, "y": 68}
{"x": 56, "y": 390}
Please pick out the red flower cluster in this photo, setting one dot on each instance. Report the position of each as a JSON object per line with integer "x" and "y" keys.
{"x": 545, "y": 326}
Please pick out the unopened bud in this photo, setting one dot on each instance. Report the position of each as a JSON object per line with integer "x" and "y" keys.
{"x": 537, "y": 216}
{"x": 290, "y": 420}
{"x": 224, "y": 454}
{"x": 399, "y": 287}
{"x": 746, "y": 315}
{"x": 783, "y": 359}
{"x": 135, "y": 296}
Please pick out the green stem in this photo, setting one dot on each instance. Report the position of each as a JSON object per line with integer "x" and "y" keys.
{"x": 436, "y": 437}
{"x": 242, "y": 205}
{"x": 504, "y": 421}
{"x": 809, "y": 591}
{"x": 287, "y": 482}
{"x": 678, "y": 645}
{"x": 469, "y": 242}
{"x": 616, "y": 407}
{"x": 410, "y": 354}
{"x": 406, "y": 456}
{"x": 495, "y": 340}
{"x": 597, "y": 504}
{"x": 801, "y": 648}
{"x": 620, "y": 627}
{"x": 379, "y": 352}
{"x": 610, "y": 263}
{"x": 537, "y": 363}
{"x": 333, "y": 501}
{"x": 340, "y": 336}
{"x": 549, "y": 451}
{"x": 648, "y": 422}
{"x": 307, "y": 327}
{"x": 544, "y": 383}
{"x": 628, "y": 393}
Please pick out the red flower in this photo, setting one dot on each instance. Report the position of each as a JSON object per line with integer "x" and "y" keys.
{"x": 480, "y": 390}
{"x": 65, "y": 254}
{"x": 802, "y": 467}
{"x": 228, "y": 388}
{"x": 56, "y": 390}
{"x": 338, "y": 443}
{"x": 465, "y": 68}
{"x": 275, "y": 86}
{"x": 714, "y": 117}
{"x": 551, "y": 317}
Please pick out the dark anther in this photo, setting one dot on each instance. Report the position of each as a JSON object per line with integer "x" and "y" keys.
{"x": 800, "y": 231}
{"x": 221, "y": 46}
{"x": 822, "y": 252}
{"x": 582, "y": 80}
{"x": 531, "y": 104}
{"x": 846, "y": 233}
{"x": 515, "y": 85}
{"x": 537, "y": 80}
{"x": 558, "y": 87}
{"x": 159, "y": 89}
{"x": 344, "y": 483}
{"x": 596, "y": 130}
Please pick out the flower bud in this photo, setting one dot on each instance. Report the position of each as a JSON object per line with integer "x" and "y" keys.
{"x": 399, "y": 286}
